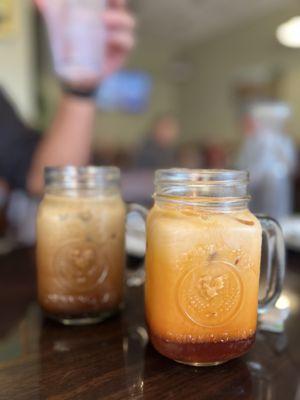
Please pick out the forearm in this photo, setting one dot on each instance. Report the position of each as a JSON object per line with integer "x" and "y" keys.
{"x": 67, "y": 142}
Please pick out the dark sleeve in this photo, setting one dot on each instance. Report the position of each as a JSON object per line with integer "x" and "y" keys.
{"x": 17, "y": 145}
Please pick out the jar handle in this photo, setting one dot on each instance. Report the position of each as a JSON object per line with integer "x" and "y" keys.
{"x": 275, "y": 256}
{"x": 137, "y": 208}
{"x": 137, "y": 278}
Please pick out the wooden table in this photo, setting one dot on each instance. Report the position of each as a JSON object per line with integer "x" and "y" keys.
{"x": 43, "y": 360}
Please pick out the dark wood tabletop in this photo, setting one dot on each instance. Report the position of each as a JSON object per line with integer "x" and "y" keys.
{"x": 40, "y": 359}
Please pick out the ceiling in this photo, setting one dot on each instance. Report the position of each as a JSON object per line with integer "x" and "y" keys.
{"x": 179, "y": 22}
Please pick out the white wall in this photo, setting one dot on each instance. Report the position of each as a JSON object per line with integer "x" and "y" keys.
{"x": 290, "y": 91}
{"x": 208, "y": 107}
{"x": 17, "y": 61}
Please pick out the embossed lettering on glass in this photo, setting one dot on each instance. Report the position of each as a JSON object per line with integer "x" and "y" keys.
{"x": 203, "y": 266}
{"x": 80, "y": 244}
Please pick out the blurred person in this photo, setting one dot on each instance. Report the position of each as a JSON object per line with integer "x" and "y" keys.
{"x": 158, "y": 150}
{"x": 190, "y": 156}
{"x": 268, "y": 153}
{"x": 24, "y": 152}
{"x": 215, "y": 155}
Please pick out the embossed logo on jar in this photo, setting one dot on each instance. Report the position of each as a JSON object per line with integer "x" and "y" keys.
{"x": 79, "y": 268}
{"x": 211, "y": 294}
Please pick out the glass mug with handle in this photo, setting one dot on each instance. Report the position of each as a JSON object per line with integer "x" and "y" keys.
{"x": 203, "y": 266}
{"x": 81, "y": 244}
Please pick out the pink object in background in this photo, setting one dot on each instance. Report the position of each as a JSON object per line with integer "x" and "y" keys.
{"x": 76, "y": 36}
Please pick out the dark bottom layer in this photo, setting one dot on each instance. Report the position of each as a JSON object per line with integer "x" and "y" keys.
{"x": 81, "y": 318}
{"x": 202, "y": 353}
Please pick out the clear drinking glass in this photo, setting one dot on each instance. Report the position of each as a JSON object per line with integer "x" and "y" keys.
{"x": 203, "y": 266}
{"x": 80, "y": 244}
{"x": 77, "y": 37}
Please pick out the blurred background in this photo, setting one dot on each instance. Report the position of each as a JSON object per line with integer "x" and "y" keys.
{"x": 207, "y": 80}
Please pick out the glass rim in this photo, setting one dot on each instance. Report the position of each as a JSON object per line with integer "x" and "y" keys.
{"x": 199, "y": 177}
{"x": 71, "y": 176}
{"x": 213, "y": 188}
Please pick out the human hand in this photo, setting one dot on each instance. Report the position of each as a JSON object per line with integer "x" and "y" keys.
{"x": 120, "y": 26}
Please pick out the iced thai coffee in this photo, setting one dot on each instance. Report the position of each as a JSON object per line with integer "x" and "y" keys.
{"x": 80, "y": 255}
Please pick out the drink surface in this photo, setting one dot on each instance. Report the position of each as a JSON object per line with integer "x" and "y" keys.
{"x": 202, "y": 275}
{"x": 80, "y": 254}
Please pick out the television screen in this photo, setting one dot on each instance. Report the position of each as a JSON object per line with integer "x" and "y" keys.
{"x": 125, "y": 91}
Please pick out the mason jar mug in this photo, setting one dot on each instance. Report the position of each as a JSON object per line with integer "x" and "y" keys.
{"x": 203, "y": 266}
{"x": 80, "y": 244}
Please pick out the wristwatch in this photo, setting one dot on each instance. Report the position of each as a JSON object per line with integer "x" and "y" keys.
{"x": 89, "y": 93}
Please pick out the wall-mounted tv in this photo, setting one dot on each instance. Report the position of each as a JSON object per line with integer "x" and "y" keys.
{"x": 126, "y": 91}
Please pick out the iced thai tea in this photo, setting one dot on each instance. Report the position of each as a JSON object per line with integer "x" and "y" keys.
{"x": 202, "y": 280}
{"x": 202, "y": 272}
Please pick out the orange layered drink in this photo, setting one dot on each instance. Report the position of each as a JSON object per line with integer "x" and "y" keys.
{"x": 202, "y": 267}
